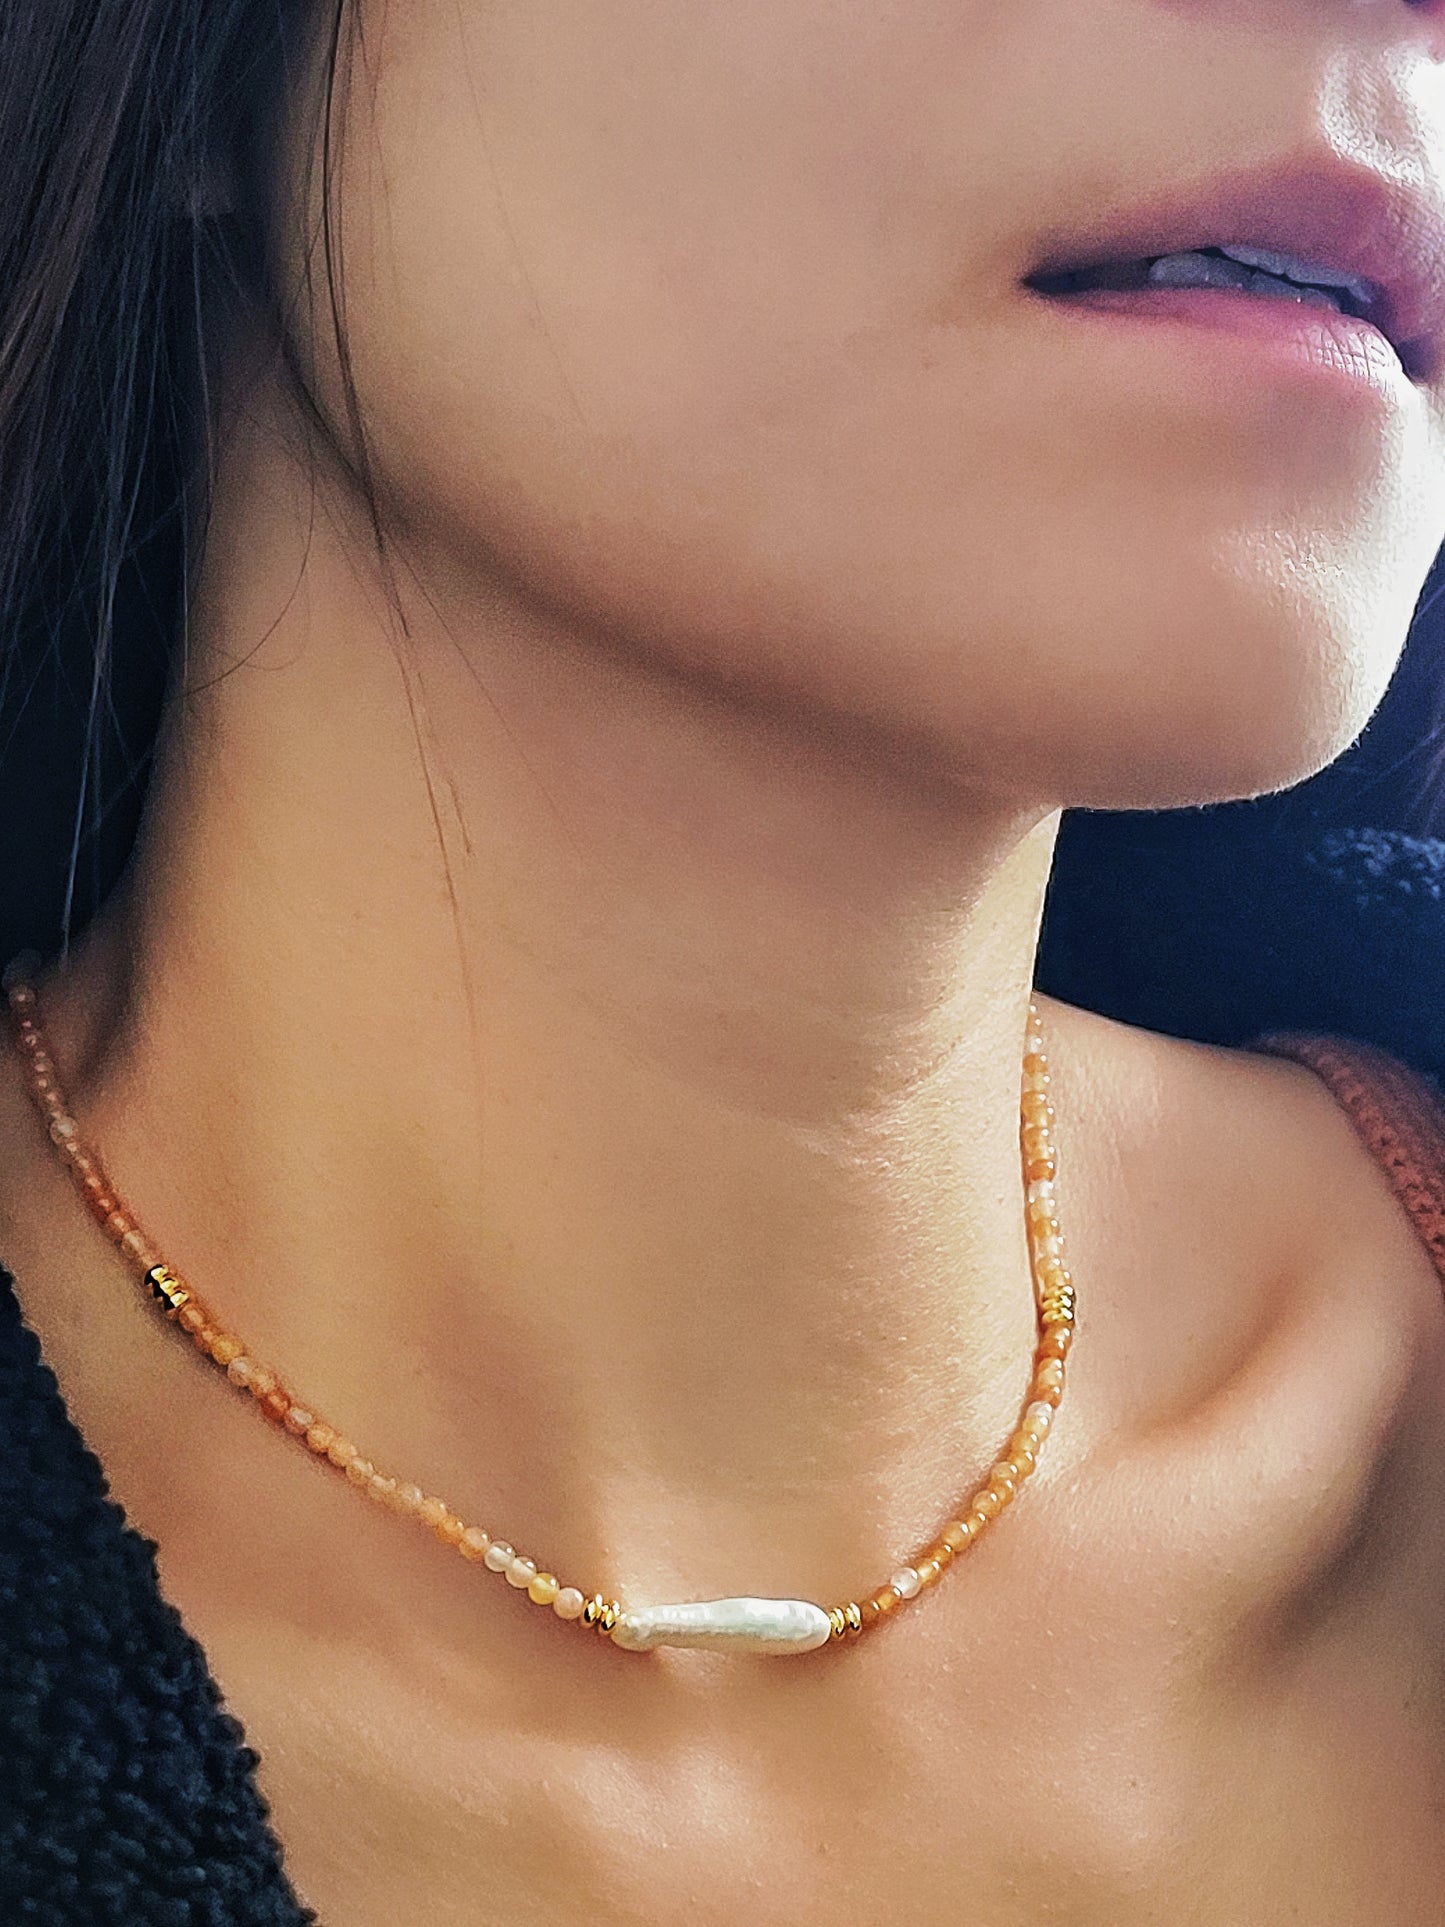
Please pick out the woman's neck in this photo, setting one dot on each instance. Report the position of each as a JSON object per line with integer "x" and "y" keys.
{"x": 596, "y": 1091}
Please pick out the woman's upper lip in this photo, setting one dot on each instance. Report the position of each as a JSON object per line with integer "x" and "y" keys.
{"x": 1319, "y": 205}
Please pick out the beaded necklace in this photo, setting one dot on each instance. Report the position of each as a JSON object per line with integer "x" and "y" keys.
{"x": 741, "y": 1624}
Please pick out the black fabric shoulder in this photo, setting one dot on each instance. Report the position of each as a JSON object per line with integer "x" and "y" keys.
{"x": 127, "y": 1791}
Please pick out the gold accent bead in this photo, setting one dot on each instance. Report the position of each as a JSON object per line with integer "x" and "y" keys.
{"x": 853, "y": 1616}
{"x": 837, "y": 1621}
{"x": 601, "y": 1613}
{"x": 168, "y": 1289}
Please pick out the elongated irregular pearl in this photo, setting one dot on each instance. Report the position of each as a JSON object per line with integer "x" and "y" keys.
{"x": 742, "y": 1625}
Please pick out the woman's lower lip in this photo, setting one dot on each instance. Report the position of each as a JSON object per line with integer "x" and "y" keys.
{"x": 1267, "y": 327}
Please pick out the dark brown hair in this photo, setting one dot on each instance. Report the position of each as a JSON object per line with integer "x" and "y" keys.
{"x": 136, "y": 140}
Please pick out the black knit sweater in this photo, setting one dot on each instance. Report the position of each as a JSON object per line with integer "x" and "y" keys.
{"x": 127, "y": 1793}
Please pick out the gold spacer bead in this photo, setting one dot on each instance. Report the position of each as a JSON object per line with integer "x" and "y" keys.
{"x": 603, "y": 1614}
{"x": 837, "y": 1621}
{"x": 168, "y": 1289}
{"x": 853, "y": 1615}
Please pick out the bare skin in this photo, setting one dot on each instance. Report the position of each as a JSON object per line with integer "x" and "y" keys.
{"x": 572, "y": 1028}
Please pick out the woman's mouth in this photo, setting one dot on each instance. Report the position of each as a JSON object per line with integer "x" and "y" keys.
{"x": 1257, "y": 271}
{"x": 1318, "y": 315}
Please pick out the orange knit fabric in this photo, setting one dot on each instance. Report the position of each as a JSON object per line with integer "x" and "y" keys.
{"x": 1398, "y": 1112}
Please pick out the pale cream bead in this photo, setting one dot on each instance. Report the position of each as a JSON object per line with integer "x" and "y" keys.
{"x": 1042, "y": 1188}
{"x": 569, "y": 1603}
{"x": 474, "y": 1543}
{"x": 905, "y": 1582}
{"x": 520, "y": 1573}
{"x": 498, "y": 1556}
{"x": 137, "y": 1248}
{"x": 1038, "y": 1416}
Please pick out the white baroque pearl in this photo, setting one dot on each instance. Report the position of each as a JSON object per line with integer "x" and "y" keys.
{"x": 746, "y": 1625}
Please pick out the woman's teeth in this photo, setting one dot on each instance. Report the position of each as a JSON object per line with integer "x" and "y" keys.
{"x": 1216, "y": 271}
{"x": 1247, "y": 270}
{"x": 1315, "y": 272}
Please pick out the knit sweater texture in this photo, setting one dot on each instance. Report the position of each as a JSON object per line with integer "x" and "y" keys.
{"x": 128, "y": 1795}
